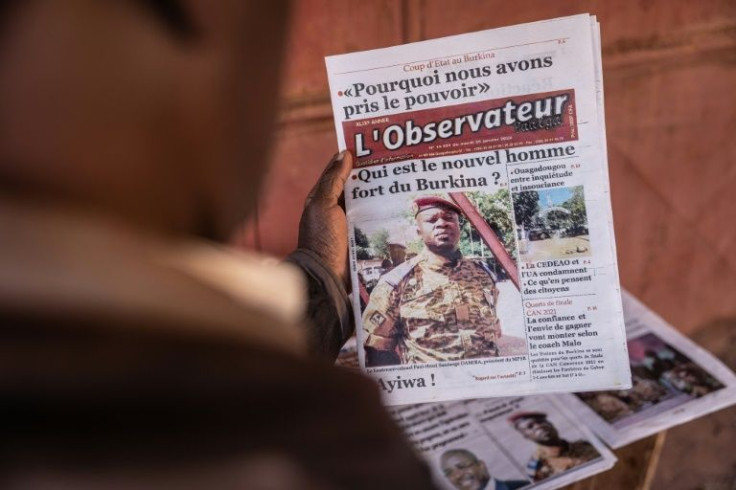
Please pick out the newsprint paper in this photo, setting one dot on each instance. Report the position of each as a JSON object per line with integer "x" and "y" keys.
{"x": 518, "y": 441}
{"x": 509, "y": 443}
{"x": 673, "y": 380}
{"x": 479, "y": 212}
{"x": 499, "y": 443}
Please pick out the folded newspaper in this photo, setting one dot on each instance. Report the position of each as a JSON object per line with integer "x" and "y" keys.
{"x": 546, "y": 441}
{"x": 479, "y": 213}
{"x": 673, "y": 379}
{"x": 503, "y": 443}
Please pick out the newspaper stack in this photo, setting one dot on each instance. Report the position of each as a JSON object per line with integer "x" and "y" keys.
{"x": 673, "y": 381}
{"x": 547, "y": 441}
{"x": 479, "y": 213}
{"x": 509, "y": 443}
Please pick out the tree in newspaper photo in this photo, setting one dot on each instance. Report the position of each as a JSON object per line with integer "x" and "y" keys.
{"x": 551, "y": 223}
{"x": 432, "y": 289}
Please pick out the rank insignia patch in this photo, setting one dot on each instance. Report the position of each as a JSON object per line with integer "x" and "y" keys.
{"x": 377, "y": 319}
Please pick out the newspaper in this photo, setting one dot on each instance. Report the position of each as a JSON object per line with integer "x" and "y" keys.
{"x": 521, "y": 442}
{"x": 674, "y": 381}
{"x": 499, "y": 443}
{"x": 479, "y": 214}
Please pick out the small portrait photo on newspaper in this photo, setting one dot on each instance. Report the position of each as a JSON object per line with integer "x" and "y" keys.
{"x": 551, "y": 224}
{"x": 663, "y": 379}
{"x": 478, "y": 465}
{"x": 431, "y": 290}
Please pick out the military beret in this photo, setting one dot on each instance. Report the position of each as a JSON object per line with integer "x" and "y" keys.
{"x": 428, "y": 202}
{"x": 527, "y": 415}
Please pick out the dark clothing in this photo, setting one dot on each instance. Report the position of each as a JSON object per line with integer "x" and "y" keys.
{"x": 117, "y": 366}
{"x": 165, "y": 402}
{"x": 510, "y": 484}
{"x": 328, "y": 307}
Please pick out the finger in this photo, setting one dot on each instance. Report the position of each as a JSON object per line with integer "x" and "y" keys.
{"x": 331, "y": 183}
{"x": 333, "y": 179}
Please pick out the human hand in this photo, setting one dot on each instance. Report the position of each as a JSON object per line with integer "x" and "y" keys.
{"x": 323, "y": 228}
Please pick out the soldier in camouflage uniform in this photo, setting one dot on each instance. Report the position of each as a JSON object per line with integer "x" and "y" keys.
{"x": 437, "y": 306}
{"x": 553, "y": 455}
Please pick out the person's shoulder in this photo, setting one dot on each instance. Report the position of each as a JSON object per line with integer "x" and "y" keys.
{"x": 399, "y": 273}
{"x": 583, "y": 448}
{"x": 476, "y": 263}
{"x": 581, "y": 443}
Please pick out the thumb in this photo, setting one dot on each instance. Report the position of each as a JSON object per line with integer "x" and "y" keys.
{"x": 331, "y": 183}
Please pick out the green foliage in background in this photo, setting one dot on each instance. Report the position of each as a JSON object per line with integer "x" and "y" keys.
{"x": 576, "y": 206}
{"x": 526, "y": 207}
{"x": 496, "y": 209}
{"x": 362, "y": 245}
{"x": 379, "y": 243}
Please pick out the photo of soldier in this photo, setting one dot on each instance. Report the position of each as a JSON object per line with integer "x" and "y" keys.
{"x": 553, "y": 454}
{"x": 437, "y": 305}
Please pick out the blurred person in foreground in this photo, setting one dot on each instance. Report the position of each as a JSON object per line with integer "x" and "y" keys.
{"x": 136, "y": 352}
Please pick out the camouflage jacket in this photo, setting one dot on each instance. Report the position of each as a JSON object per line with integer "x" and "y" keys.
{"x": 428, "y": 312}
{"x": 542, "y": 465}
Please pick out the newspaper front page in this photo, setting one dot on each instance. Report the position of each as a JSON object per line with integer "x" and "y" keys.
{"x": 673, "y": 380}
{"x": 482, "y": 250}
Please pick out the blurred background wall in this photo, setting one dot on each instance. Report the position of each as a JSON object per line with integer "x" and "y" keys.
{"x": 670, "y": 85}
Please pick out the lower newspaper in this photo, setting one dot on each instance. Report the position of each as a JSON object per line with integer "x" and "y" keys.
{"x": 673, "y": 381}
{"x": 540, "y": 442}
{"x": 503, "y": 443}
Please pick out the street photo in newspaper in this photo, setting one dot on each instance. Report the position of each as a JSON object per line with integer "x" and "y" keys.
{"x": 479, "y": 214}
{"x": 502, "y": 443}
{"x": 673, "y": 379}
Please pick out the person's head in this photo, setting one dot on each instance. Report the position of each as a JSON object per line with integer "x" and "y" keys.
{"x": 438, "y": 224}
{"x": 535, "y": 427}
{"x": 156, "y": 112}
{"x": 464, "y": 470}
